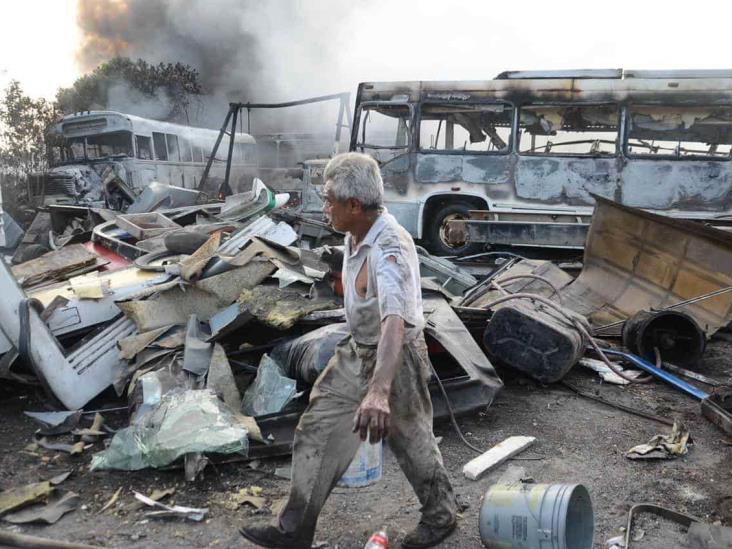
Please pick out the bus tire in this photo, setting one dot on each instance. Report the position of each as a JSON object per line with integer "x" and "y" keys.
{"x": 435, "y": 230}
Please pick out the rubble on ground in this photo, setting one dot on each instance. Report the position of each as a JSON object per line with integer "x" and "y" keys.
{"x": 209, "y": 324}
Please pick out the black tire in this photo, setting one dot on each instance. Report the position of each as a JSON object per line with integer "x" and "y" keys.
{"x": 435, "y": 230}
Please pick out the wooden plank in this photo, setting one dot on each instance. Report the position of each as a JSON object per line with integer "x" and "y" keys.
{"x": 502, "y": 451}
{"x": 53, "y": 265}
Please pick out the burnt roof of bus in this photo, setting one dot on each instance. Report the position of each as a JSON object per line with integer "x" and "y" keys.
{"x": 606, "y": 85}
{"x": 83, "y": 123}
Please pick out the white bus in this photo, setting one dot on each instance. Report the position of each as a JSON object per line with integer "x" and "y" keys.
{"x": 88, "y": 149}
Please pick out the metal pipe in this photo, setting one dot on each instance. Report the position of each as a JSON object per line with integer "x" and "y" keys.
{"x": 669, "y": 378}
{"x": 212, "y": 156}
{"x": 321, "y": 98}
{"x": 226, "y": 189}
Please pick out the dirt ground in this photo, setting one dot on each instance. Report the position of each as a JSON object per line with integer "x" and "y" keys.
{"x": 578, "y": 441}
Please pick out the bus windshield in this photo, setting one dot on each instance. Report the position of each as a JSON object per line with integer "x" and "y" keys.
{"x": 78, "y": 149}
{"x": 384, "y": 130}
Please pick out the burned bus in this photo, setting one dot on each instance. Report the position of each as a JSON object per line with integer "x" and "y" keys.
{"x": 530, "y": 149}
{"x": 100, "y": 154}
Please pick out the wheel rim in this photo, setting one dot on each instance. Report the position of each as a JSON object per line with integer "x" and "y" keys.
{"x": 443, "y": 232}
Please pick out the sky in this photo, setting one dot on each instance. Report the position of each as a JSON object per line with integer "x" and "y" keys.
{"x": 416, "y": 39}
{"x": 38, "y": 41}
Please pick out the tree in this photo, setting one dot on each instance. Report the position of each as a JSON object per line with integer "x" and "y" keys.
{"x": 177, "y": 83}
{"x": 24, "y": 123}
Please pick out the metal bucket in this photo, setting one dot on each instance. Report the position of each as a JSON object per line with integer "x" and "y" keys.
{"x": 366, "y": 467}
{"x": 537, "y": 516}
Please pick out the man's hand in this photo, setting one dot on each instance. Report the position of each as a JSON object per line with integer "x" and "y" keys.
{"x": 372, "y": 417}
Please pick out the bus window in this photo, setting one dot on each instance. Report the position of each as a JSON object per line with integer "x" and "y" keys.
{"x": 198, "y": 154}
{"x": 590, "y": 130}
{"x": 109, "y": 144}
{"x": 74, "y": 149}
{"x": 185, "y": 150}
{"x": 474, "y": 128}
{"x": 161, "y": 151}
{"x": 243, "y": 152}
{"x": 173, "y": 152}
{"x": 384, "y": 131}
{"x": 144, "y": 152}
{"x": 679, "y": 132}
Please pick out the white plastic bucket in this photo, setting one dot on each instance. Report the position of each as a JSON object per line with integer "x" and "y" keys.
{"x": 537, "y": 516}
{"x": 366, "y": 467}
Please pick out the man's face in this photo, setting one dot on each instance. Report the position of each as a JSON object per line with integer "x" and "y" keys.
{"x": 341, "y": 214}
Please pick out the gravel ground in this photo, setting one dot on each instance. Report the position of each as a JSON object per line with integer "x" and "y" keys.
{"x": 578, "y": 441}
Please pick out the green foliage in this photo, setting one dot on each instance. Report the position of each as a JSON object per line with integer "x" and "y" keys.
{"x": 23, "y": 125}
{"x": 176, "y": 81}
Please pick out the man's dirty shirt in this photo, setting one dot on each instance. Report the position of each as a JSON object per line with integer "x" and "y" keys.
{"x": 394, "y": 286}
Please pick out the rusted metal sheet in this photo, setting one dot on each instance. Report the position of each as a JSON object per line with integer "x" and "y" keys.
{"x": 635, "y": 260}
{"x": 518, "y": 233}
{"x": 57, "y": 264}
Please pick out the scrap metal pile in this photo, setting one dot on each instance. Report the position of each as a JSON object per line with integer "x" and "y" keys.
{"x": 212, "y": 321}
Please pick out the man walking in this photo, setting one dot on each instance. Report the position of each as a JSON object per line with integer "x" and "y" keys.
{"x": 375, "y": 386}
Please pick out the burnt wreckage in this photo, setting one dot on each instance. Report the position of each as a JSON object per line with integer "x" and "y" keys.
{"x": 225, "y": 309}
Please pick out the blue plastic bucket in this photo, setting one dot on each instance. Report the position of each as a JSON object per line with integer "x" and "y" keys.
{"x": 537, "y": 516}
{"x": 367, "y": 466}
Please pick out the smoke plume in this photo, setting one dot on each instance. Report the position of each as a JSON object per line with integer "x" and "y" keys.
{"x": 244, "y": 50}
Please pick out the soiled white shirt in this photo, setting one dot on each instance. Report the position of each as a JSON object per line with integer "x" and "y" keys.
{"x": 393, "y": 281}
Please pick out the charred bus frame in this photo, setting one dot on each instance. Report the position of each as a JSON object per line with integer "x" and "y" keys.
{"x": 658, "y": 140}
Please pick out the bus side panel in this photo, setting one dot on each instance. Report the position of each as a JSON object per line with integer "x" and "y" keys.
{"x": 406, "y": 213}
{"x": 566, "y": 180}
{"x": 689, "y": 185}
{"x": 444, "y": 168}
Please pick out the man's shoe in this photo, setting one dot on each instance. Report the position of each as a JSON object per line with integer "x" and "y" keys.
{"x": 271, "y": 536}
{"x": 425, "y": 535}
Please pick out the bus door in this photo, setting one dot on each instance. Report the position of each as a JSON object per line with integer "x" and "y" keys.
{"x": 566, "y": 153}
{"x": 143, "y": 172}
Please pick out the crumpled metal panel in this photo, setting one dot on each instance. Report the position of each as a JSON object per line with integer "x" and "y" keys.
{"x": 635, "y": 260}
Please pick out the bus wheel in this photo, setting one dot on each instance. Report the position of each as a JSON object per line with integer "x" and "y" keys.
{"x": 436, "y": 231}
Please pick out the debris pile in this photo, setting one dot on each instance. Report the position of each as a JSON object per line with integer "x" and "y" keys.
{"x": 211, "y": 322}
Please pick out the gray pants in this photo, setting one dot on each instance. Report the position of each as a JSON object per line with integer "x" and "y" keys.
{"x": 325, "y": 444}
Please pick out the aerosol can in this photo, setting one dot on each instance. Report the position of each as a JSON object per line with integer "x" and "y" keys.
{"x": 378, "y": 540}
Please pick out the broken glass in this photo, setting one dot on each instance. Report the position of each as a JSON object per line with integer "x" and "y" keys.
{"x": 682, "y": 131}
{"x": 184, "y": 422}
{"x": 270, "y": 392}
{"x": 586, "y": 130}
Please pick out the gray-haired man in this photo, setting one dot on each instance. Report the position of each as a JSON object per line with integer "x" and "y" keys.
{"x": 376, "y": 383}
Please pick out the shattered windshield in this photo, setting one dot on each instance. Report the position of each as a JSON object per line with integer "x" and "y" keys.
{"x": 109, "y": 144}
{"x": 67, "y": 151}
{"x": 79, "y": 149}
